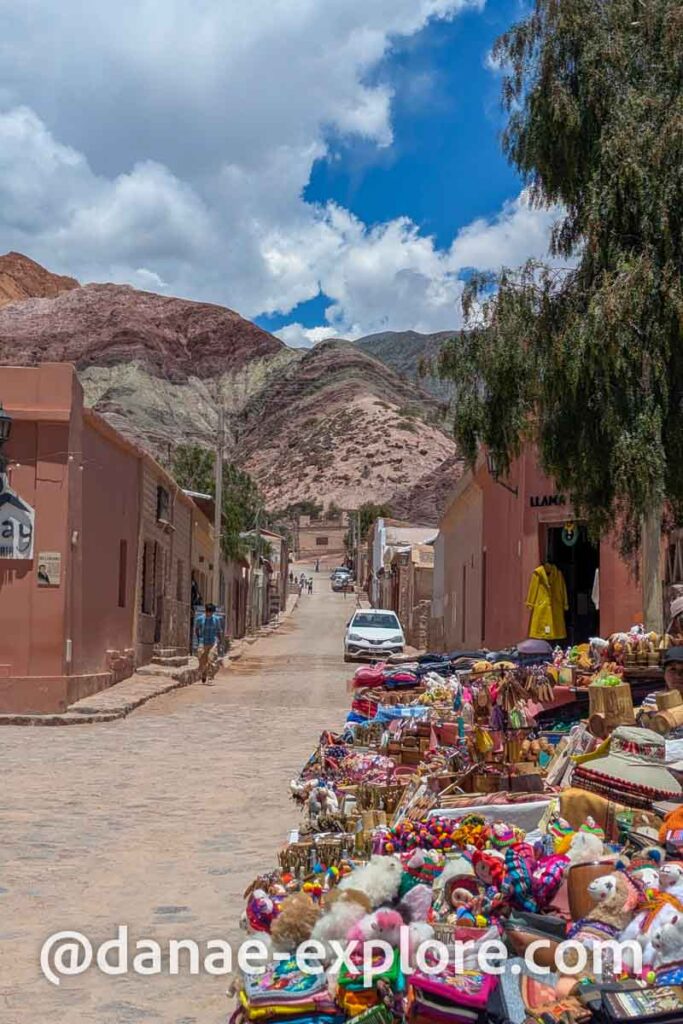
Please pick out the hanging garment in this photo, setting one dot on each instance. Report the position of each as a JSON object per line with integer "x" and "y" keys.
{"x": 547, "y": 601}
{"x": 595, "y": 593}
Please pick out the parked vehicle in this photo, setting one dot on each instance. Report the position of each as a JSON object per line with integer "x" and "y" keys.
{"x": 341, "y": 579}
{"x": 373, "y": 633}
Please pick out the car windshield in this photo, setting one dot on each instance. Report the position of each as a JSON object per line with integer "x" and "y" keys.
{"x": 375, "y": 620}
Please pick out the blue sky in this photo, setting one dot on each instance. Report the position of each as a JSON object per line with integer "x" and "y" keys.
{"x": 324, "y": 167}
{"x": 445, "y": 167}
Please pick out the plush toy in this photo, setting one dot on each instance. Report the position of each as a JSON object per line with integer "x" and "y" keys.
{"x": 322, "y": 800}
{"x": 415, "y": 905}
{"x": 562, "y": 834}
{"x": 658, "y": 909}
{"x": 668, "y": 943}
{"x": 587, "y": 845}
{"x": 420, "y": 866}
{"x": 341, "y": 911}
{"x": 379, "y": 879}
{"x": 383, "y": 924}
{"x": 671, "y": 877}
{"x": 547, "y": 877}
{"x": 260, "y": 912}
{"x": 616, "y": 900}
{"x": 295, "y": 922}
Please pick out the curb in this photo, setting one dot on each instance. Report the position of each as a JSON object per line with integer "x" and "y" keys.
{"x": 97, "y": 711}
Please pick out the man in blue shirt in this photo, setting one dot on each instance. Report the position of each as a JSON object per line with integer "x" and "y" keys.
{"x": 208, "y": 640}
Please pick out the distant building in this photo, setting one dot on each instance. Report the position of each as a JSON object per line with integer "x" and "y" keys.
{"x": 317, "y": 538}
{"x": 386, "y": 537}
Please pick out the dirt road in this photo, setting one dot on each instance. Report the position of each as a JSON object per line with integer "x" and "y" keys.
{"x": 158, "y": 822}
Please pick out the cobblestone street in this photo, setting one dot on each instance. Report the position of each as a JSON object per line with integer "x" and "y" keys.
{"x": 159, "y": 821}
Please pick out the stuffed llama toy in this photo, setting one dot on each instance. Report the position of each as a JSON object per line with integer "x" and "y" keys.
{"x": 668, "y": 944}
{"x": 295, "y": 922}
{"x": 616, "y": 900}
{"x": 379, "y": 879}
{"x": 342, "y": 910}
{"x": 671, "y": 878}
{"x": 659, "y": 910}
{"x": 587, "y": 844}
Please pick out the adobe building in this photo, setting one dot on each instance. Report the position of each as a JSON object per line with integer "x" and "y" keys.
{"x": 95, "y": 549}
{"x": 319, "y": 538}
{"x": 492, "y": 537}
{"x": 67, "y": 604}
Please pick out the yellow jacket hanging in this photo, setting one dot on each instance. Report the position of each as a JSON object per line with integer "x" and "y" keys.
{"x": 547, "y": 601}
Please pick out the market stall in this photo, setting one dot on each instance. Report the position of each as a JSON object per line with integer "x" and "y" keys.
{"x": 521, "y": 799}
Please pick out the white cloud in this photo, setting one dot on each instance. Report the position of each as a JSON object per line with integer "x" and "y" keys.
{"x": 168, "y": 144}
{"x": 298, "y": 336}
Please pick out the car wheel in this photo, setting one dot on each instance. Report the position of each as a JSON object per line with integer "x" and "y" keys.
{"x": 347, "y": 658}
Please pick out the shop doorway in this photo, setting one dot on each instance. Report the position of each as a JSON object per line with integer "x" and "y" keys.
{"x": 578, "y": 559}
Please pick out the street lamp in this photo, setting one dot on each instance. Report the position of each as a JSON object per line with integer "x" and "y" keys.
{"x": 493, "y": 466}
{"x": 5, "y": 431}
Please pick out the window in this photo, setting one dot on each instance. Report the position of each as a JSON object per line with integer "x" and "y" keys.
{"x": 322, "y": 542}
{"x": 148, "y": 578}
{"x": 123, "y": 563}
{"x": 375, "y": 620}
{"x": 180, "y": 582}
{"x": 163, "y": 504}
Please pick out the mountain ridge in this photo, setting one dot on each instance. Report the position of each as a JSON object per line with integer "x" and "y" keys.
{"x": 333, "y": 423}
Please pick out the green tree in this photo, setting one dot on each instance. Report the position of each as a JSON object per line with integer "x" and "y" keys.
{"x": 584, "y": 356}
{"x": 193, "y": 467}
{"x": 369, "y": 511}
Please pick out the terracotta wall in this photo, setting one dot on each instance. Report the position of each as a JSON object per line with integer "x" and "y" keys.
{"x": 105, "y": 575}
{"x": 492, "y": 540}
{"x": 462, "y": 532}
{"x": 164, "y": 566}
{"x": 84, "y": 489}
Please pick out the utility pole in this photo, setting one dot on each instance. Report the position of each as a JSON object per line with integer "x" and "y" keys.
{"x": 218, "y": 511}
{"x": 358, "y": 579}
{"x": 651, "y": 570}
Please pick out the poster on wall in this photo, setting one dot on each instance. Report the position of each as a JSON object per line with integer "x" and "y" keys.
{"x": 49, "y": 568}
{"x": 17, "y": 521}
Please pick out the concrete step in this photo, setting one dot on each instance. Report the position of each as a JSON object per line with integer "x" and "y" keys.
{"x": 174, "y": 661}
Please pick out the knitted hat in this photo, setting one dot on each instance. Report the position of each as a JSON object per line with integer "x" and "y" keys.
{"x": 503, "y": 835}
{"x": 592, "y": 828}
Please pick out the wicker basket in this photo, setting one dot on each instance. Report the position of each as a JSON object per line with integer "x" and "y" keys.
{"x": 382, "y": 798}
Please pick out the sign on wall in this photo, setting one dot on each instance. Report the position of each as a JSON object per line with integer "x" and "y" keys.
{"x": 49, "y": 568}
{"x": 17, "y": 521}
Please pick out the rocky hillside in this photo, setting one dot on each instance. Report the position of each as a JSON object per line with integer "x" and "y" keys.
{"x": 152, "y": 365}
{"x": 339, "y": 424}
{"x": 403, "y": 351}
{"x": 425, "y": 501}
{"x": 22, "y": 278}
{"x": 332, "y": 423}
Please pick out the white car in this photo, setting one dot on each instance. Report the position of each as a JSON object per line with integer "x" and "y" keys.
{"x": 373, "y": 633}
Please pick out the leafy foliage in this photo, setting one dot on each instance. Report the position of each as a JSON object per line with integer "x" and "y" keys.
{"x": 193, "y": 467}
{"x": 585, "y": 357}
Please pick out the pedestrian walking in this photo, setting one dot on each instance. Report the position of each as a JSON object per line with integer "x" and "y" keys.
{"x": 207, "y": 632}
{"x": 317, "y": 565}
{"x": 310, "y": 585}
{"x": 291, "y": 576}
